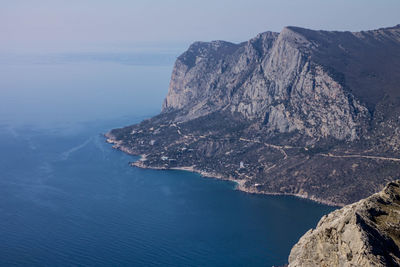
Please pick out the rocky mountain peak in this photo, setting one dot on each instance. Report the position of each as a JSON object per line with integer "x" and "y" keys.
{"x": 366, "y": 233}
{"x": 210, "y": 50}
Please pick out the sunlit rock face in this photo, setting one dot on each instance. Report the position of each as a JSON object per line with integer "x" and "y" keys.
{"x": 366, "y": 233}
{"x": 292, "y": 80}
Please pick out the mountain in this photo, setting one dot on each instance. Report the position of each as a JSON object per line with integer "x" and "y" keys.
{"x": 366, "y": 233}
{"x": 309, "y": 113}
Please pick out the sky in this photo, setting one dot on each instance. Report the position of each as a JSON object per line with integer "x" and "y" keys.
{"x": 70, "y": 25}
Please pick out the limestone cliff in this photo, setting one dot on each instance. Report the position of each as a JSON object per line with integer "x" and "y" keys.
{"x": 297, "y": 80}
{"x": 366, "y": 233}
{"x": 303, "y": 112}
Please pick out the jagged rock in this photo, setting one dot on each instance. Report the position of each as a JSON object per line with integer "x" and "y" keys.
{"x": 290, "y": 77}
{"x": 366, "y": 233}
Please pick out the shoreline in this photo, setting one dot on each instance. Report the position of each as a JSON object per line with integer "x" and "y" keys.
{"x": 239, "y": 183}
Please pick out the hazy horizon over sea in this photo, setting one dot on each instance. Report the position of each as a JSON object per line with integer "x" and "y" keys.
{"x": 68, "y": 198}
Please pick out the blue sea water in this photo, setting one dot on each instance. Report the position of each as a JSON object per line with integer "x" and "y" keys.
{"x": 68, "y": 199}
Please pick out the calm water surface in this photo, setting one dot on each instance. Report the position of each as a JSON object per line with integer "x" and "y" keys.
{"x": 68, "y": 199}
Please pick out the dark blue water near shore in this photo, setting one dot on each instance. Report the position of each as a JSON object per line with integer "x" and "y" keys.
{"x": 68, "y": 199}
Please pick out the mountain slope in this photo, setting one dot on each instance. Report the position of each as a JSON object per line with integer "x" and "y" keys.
{"x": 366, "y": 233}
{"x": 303, "y": 112}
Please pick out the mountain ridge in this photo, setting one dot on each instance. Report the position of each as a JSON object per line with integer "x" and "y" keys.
{"x": 303, "y": 112}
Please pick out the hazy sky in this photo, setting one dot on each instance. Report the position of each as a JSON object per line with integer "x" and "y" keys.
{"x": 51, "y": 25}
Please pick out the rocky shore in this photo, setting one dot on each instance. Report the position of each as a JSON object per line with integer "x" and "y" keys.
{"x": 240, "y": 184}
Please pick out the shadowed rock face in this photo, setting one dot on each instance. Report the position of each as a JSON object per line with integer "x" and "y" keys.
{"x": 366, "y": 233}
{"x": 310, "y": 113}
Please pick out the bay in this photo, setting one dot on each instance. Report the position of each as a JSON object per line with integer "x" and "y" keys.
{"x": 68, "y": 199}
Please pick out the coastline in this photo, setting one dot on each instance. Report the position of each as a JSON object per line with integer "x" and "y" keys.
{"x": 240, "y": 184}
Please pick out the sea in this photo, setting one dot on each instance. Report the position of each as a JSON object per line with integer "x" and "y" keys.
{"x": 67, "y": 198}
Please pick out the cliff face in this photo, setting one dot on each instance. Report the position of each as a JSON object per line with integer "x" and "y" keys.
{"x": 319, "y": 83}
{"x": 310, "y": 113}
{"x": 366, "y": 233}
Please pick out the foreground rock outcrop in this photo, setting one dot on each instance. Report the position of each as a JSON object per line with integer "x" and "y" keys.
{"x": 366, "y": 233}
{"x": 309, "y": 113}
